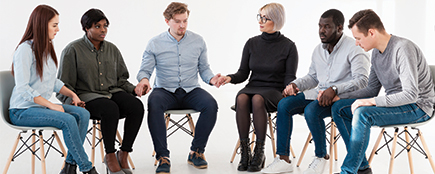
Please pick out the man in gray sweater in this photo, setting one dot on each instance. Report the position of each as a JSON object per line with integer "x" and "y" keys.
{"x": 399, "y": 66}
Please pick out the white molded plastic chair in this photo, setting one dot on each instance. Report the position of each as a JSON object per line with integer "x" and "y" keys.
{"x": 409, "y": 144}
{"x": 7, "y": 84}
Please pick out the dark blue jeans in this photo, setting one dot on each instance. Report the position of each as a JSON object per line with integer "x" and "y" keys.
{"x": 288, "y": 107}
{"x": 355, "y": 129}
{"x": 198, "y": 99}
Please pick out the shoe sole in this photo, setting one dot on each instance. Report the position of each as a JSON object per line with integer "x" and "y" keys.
{"x": 164, "y": 173}
{"x": 198, "y": 167}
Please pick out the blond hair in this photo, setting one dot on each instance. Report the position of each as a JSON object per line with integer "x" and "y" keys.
{"x": 276, "y": 13}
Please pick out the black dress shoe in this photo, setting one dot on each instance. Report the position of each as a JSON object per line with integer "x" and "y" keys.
{"x": 69, "y": 169}
{"x": 365, "y": 171}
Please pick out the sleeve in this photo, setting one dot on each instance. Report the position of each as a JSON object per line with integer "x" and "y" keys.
{"x": 359, "y": 64}
{"x": 123, "y": 75}
{"x": 148, "y": 63}
{"x": 372, "y": 89}
{"x": 408, "y": 75}
{"x": 243, "y": 73}
{"x": 23, "y": 60}
{"x": 67, "y": 71}
{"x": 58, "y": 84}
{"x": 203, "y": 65}
{"x": 291, "y": 65}
{"x": 310, "y": 80}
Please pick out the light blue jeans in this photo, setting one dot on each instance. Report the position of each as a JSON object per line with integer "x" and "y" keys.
{"x": 355, "y": 129}
{"x": 314, "y": 115}
{"x": 73, "y": 123}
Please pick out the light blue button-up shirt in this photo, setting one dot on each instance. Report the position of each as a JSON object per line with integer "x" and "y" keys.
{"x": 177, "y": 63}
{"x": 28, "y": 84}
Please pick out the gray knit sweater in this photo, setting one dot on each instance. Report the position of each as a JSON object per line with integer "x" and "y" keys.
{"x": 404, "y": 73}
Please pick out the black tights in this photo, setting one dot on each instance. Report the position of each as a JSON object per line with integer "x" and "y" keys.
{"x": 121, "y": 105}
{"x": 246, "y": 103}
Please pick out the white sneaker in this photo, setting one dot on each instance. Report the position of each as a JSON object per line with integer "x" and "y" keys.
{"x": 316, "y": 167}
{"x": 278, "y": 166}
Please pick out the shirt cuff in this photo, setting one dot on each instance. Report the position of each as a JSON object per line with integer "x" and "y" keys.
{"x": 58, "y": 84}
{"x": 30, "y": 94}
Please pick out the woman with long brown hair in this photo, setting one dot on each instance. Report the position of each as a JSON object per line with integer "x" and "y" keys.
{"x": 34, "y": 68}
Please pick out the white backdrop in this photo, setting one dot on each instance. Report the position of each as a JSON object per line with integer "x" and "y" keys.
{"x": 225, "y": 25}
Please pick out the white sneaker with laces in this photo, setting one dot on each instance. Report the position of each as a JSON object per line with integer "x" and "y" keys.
{"x": 316, "y": 167}
{"x": 278, "y": 166}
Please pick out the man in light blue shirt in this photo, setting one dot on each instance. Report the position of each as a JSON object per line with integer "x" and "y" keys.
{"x": 178, "y": 56}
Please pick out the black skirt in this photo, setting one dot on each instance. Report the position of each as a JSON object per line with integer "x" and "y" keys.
{"x": 270, "y": 95}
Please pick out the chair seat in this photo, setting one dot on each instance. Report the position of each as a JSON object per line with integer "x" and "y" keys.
{"x": 181, "y": 111}
{"x": 412, "y": 125}
{"x": 25, "y": 128}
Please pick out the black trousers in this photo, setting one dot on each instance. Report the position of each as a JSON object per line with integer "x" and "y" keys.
{"x": 121, "y": 105}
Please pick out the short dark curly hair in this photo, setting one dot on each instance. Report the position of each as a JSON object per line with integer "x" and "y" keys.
{"x": 92, "y": 16}
{"x": 337, "y": 16}
{"x": 365, "y": 20}
{"x": 175, "y": 8}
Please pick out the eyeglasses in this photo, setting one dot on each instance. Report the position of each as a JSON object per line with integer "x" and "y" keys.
{"x": 262, "y": 19}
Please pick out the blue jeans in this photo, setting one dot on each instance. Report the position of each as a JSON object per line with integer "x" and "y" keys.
{"x": 198, "y": 99}
{"x": 355, "y": 129}
{"x": 73, "y": 123}
{"x": 288, "y": 107}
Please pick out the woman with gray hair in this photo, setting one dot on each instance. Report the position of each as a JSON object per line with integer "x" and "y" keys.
{"x": 272, "y": 60}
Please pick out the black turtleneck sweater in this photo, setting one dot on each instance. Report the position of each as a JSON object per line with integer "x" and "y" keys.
{"x": 273, "y": 60}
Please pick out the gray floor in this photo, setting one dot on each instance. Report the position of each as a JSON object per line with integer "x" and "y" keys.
{"x": 220, "y": 147}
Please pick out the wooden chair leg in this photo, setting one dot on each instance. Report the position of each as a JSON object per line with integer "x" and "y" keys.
{"x": 11, "y": 155}
{"x": 41, "y": 142}
{"x": 33, "y": 150}
{"x": 408, "y": 148}
{"x": 293, "y": 153}
{"x": 93, "y": 143}
{"x": 372, "y": 154}
{"x": 304, "y": 150}
{"x": 272, "y": 136}
{"x": 393, "y": 152}
{"x": 335, "y": 143}
{"x": 252, "y": 140}
{"x": 101, "y": 142}
{"x": 191, "y": 124}
{"x": 429, "y": 156}
{"x": 235, "y": 151}
{"x": 331, "y": 147}
{"x": 61, "y": 147}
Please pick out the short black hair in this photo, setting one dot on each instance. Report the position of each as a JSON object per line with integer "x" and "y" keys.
{"x": 336, "y": 15}
{"x": 92, "y": 16}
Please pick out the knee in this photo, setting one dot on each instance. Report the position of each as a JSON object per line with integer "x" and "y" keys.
{"x": 285, "y": 103}
{"x": 83, "y": 113}
{"x": 211, "y": 105}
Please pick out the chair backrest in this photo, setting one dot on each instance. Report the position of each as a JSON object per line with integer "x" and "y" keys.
{"x": 7, "y": 84}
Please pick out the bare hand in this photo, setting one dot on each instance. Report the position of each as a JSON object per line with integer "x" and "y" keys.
{"x": 290, "y": 89}
{"x": 215, "y": 80}
{"x": 363, "y": 102}
{"x": 224, "y": 80}
{"x": 77, "y": 102}
{"x": 56, "y": 107}
{"x": 325, "y": 97}
{"x": 142, "y": 88}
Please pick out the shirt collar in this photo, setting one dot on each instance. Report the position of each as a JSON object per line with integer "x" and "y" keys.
{"x": 90, "y": 45}
{"x": 173, "y": 38}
